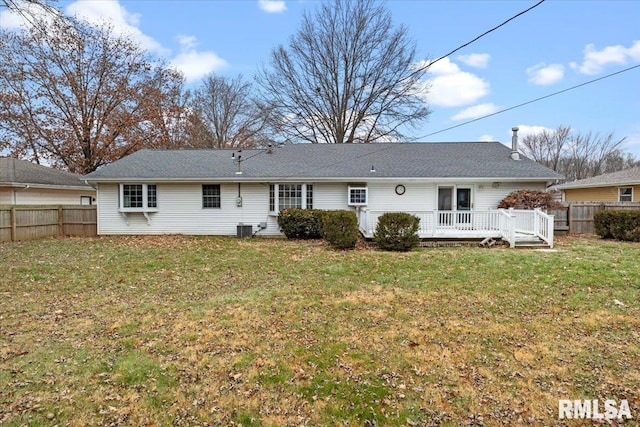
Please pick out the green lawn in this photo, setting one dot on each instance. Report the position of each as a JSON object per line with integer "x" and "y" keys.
{"x": 196, "y": 330}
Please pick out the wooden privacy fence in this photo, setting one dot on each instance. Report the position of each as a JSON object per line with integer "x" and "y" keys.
{"x": 37, "y": 222}
{"x": 578, "y": 217}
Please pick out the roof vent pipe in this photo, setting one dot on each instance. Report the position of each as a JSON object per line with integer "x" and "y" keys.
{"x": 515, "y": 155}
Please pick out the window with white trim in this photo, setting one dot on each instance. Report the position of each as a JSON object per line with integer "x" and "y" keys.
{"x": 138, "y": 197}
{"x": 210, "y": 196}
{"x": 625, "y": 194}
{"x": 283, "y": 196}
{"x": 358, "y": 196}
{"x": 309, "y": 196}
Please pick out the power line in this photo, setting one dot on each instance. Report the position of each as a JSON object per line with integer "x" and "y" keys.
{"x": 531, "y": 101}
{"x": 385, "y": 146}
{"x": 433, "y": 62}
{"x": 487, "y": 32}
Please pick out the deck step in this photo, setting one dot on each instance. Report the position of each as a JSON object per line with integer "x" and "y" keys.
{"x": 531, "y": 243}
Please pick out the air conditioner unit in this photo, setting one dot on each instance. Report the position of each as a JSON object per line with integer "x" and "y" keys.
{"x": 244, "y": 231}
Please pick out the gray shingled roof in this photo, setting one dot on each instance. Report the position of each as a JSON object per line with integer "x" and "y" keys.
{"x": 329, "y": 161}
{"x": 20, "y": 172}
{"x": 623, "y": 177}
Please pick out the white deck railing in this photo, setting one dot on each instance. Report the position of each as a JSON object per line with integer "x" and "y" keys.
{"x": 535, "y": 223}
{"x": 500, "y": 223}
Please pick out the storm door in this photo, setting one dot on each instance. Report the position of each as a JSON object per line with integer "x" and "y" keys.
{"x": 445, "y": 205}
{"x": 463, "y": 203}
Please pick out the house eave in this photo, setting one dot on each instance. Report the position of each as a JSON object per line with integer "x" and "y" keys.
{"x": 236, "y": 179}
{"x": 617, "y": 184}
{"x": 46, "y": 186}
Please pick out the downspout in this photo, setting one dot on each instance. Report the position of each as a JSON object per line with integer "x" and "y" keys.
{"x": 13, "y": 193}
{"x": 95, "y": 187}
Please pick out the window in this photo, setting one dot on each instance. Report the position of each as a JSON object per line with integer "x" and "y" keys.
{"x": 211, "y": 196}
{"x": 132, "y": 196}
{"x": 138, "y": 197}
{"x": 289, "y": 196}
{"x": 625, "y": 194}
{"x": 309, "y": 196}
{"x": 357, "y": 196}
{"x": 152, "y": 199}
{"x": 85, "y": 200}
{"x": 283, "y": 196}
{"x": 272, "y": 198}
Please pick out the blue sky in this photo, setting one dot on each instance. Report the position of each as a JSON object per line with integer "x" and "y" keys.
{"x": 560, "y": 44}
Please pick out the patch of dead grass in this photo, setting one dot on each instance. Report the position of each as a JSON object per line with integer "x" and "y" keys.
{"x": 190, "y": 330}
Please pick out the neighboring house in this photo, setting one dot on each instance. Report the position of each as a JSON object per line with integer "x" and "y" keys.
{"x": 453, "y": 187}
{"x": 26, "y": 183}
{"x": 622, "y": 186}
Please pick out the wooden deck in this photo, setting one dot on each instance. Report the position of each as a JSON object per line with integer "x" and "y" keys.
{"x": 513, "y": 226}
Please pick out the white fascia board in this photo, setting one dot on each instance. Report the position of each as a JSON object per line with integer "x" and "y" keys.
{"x": 49, "y": 186}
{"x": 316, "y": 179}
{"x": 601, "y": 185}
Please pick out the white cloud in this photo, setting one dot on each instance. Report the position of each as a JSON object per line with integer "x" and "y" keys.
{"x": 11, "y": 20}
{"x": 477, "y": 60}
{"x": 193, "y": 64}
{"x": 596, "y": 60}
{"x": 486, "y": 138}
{"x": 187, "y": 42}
{"x": 543, "y": 75}
{"x": 476, "y": 111}
{"x": 272, "y": 6}
{"x": 113, "y": 13}
{"x": 452, "y": 87}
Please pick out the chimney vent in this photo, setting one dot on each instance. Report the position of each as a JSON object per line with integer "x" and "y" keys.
{"x": 515, "y": 155}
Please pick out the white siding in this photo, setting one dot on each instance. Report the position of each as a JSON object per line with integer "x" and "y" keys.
{"x": 42, "y": 196}
{"x": 330, "y": 196}
{"x": 180, "y": 210}
{"x": 424, "y": 196}
{"x": 487, "y": 196}
{"x": 417, "y": 196}
{"x": 180, "y": 205}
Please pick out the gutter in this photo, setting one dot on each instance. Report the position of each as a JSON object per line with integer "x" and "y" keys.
{"x": 258, "y": 180}
{"x": 50, "y": 186}
{"x": 568, "y": 186}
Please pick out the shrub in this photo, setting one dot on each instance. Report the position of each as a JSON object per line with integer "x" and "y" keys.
{"x": 340, "y": 229}
{"x": 530, "y": 199}
{"x": 624, "y": 224}
{"x": 397, "y": 231}
{"x": 621, "y": 225}
{"x": 301, "y": 223}
{"x": 633, "y": 235}
{"x": 602, "y": 221}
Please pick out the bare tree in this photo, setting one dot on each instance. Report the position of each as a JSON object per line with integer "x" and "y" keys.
{"x": 346, "y": 76}
{"x": 166, "y": 122}
{"x": 227, "y": 114}
{"x": 31, "y": 10}
{"x": 20, "y": 5}
{"x": 618, "y": 161}
{"x": 577, "y": 155}
{"x": 80, "y": 96}
{"x": 547, "y": 147}
{"x": 588, "y": 154}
